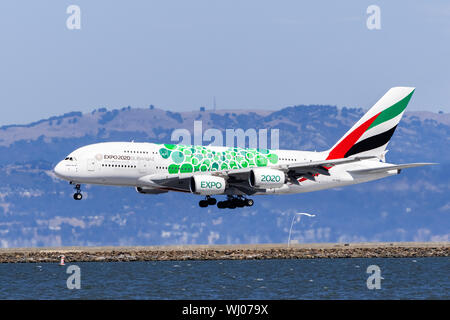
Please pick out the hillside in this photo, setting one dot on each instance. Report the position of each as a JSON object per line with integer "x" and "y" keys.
{"x": 37, "y": 210}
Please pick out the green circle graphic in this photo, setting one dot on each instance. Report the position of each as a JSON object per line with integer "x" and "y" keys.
{"x": 273, "y": 158}
{"x": 164, "y": 153}
{"x": 177, "y": 156}
{"x": 261, "y": 161}
{"x": 173, "y": 168}
{"x": 170, "y": 146}
{"x": 186, "y": 167}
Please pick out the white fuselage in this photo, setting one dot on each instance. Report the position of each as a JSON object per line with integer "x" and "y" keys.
{"x": 129, "y": 163}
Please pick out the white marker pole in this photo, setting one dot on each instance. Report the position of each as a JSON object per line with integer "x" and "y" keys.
{"x": 292, "y": 223}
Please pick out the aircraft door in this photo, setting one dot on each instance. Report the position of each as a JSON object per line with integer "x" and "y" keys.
{"x": 143, "y": 166}
{"x": 91, "y": 164}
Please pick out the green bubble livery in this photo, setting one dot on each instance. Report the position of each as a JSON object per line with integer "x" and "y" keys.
{"x": 199, "y": 158}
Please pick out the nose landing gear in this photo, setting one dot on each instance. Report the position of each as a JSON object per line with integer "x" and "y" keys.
{"x": 77, "y": 195}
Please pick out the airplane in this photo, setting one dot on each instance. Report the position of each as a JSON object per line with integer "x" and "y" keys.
{"x": 237, "y": 173}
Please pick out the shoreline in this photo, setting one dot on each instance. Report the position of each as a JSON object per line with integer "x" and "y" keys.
{"x": 226, "y": 252}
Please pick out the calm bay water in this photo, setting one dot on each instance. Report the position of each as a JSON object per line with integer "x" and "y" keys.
{"x": 404, "y": 278}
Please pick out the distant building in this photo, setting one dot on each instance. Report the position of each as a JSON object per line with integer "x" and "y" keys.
{"x": 202, "y": 109}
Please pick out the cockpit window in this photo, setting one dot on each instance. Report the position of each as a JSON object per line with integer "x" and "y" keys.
{"x": 69, "y": 158}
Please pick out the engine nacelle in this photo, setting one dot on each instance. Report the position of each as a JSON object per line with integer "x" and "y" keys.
{"x": 207, "y": 185}
{"x": 146, "y": 190}
{"x": 266, "y": 178}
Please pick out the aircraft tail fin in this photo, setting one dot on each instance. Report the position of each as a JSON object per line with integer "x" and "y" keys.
{"x": 371, "y": 134}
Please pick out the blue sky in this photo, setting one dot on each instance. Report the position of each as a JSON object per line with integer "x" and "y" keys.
{"x": 249, "y": 54}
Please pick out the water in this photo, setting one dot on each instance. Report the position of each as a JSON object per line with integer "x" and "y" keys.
{"x": 404, "y": 278}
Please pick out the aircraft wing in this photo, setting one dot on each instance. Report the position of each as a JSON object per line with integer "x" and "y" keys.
{"x": 238, "y": 178}
{"x": 294, "y": 170}
{"x": 390, "y": 167}
{"x": 322, "y": 166}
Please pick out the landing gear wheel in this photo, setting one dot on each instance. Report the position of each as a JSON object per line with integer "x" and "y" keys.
{"x": 221, "y": 205}
{"x": 203, "y": 203}
{"x": 207, "y": 202}
{"x": 231, "y": 204}
{"x": 234, "y": 202}
{"x": 211, "y": 201}
{"x": 240, "y": 203}
{"x": 77, "y": 196}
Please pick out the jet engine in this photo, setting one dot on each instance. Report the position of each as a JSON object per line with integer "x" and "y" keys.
{"x": 266, "y": 178}
{"x": 207, "y": 185}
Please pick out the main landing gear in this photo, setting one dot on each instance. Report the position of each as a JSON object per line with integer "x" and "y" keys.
{"x": 232, "y": 202}
{"x": 207, "y": 202}
{"x": 77, "y": 195}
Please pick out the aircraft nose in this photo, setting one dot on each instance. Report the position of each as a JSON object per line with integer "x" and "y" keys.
{"x": 59, "y": 169}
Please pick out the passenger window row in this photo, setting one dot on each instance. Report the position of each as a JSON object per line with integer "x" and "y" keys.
{"x": 118, "y": 166}
{"x": 130, "y": 151}
{"x": 288, "y": 159}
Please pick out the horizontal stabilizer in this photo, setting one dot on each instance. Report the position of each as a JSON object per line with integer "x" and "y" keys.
{"x": 389, "y": 168}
